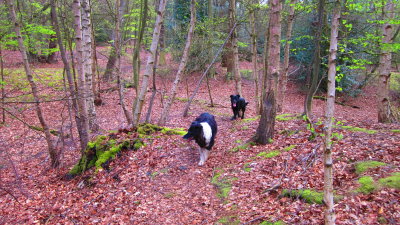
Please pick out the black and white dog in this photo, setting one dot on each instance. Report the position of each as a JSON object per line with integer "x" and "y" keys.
{"x": 203, "y": 130}
{"x": 238, "y": 104}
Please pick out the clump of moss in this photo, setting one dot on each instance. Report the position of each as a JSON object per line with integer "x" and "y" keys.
{"x": 229, "y": 220}
{"x": 242, "y": 147}
{"x": 279, "y": 222}
{"x": 251, "y": 119}
{"x": 224, "y": 185}
{"x": 395, "y": 131}
{"x": 391, "y": 181}
{"x": 361, "y": 167}
{"x": 359, "y": 129}
{"x": 247, "y": 167}
{"x": 367, "y": 185}
{"x": 288, "y": 132}
{"x": 269, "y": 154}
{"x": 146, "y": 129}
{"x": 286, "y": 117}
{"x": 288, "y": 148}
{"x": 309, "y": 196}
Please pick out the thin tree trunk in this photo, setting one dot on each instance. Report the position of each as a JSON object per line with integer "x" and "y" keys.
{"x": 154, "y": 88}
{"x": 181, "y": 68}
{"x": 285, "y": 69}
{"x": 253, "y": 36}
{"x": 235, "y": 53}
{"x": 118, "y": 46}
{"x": 52, "y": 44}
{"x": 3, "y": 91}
{"x": 87, "y": 64}
{"x": 139, "y": 102}
{"x": 110, "y": 66}
{"x": 317, "y": 60}
{"x": 265, "y": 130}
{"x": 83, "y": 134}
{"x": 54, "y": 157}
{"x": 186, "y": 110}
{"x": 385, "y": 63}
{"x": 83, "y": 114}
{"x": 329, "y": 115}
{"x": 138, "y": 44}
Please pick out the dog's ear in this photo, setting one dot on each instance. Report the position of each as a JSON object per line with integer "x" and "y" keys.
{"x": 232, "y": 96}
{"x": 238, "y": 96}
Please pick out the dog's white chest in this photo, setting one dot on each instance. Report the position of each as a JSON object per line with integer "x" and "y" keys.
{"x": 207, "y": 132}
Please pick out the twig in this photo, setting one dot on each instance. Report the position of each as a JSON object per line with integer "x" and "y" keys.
{"x": 8, "y": 192}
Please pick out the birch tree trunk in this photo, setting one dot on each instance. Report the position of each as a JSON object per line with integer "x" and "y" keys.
{"x": 83, "y": 115}
{"x": 83, "y": 134}
{"x": 329, "y": 113}
{"x": 235, "y": 68}
{"x": 54, "y": 157}
{"x": 165, "y": 113}
{"x": 265, "y": 130}
{"x": 285, "y": 69}
{"x": 385, "y": 62}
{"x": 137, "y": 110}
{"x": 87, "y": 64}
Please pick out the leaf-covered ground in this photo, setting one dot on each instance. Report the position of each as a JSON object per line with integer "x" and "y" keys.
{"x": 240, "y": 184}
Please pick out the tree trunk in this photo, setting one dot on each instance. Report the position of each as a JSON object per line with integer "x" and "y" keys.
{"x": 76, "y": 7}
{"x": 153, "y": 89}
{"x": 87, "y": 64}
{"x": 3, "y": 91}
{"x": 149, "y": 67}
{"x": 385, "y": 62}
{"x": 52, "y": 44}
{"x": 83, "y": 134}
{"x": 118, "y": 47}
{"x": 138, "y": 44}
{"x": 329, "y": 115}
{"x": 266, "y": 125}
{"x": 317, "y": 60}
{"x": 253, "y": 36}
{"x": 285, "y": 69}
{"x": 181, "y": 68}
{"x": 110, "y": 66}
{"x": 235, "y": 53}
{"x": 54, "y": 157}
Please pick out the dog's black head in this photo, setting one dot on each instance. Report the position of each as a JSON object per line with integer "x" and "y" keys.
{"x": 194, "y": 131}
{"x": 234, "y": 100}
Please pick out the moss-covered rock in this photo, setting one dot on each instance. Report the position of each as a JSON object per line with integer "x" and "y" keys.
{"x": 361, "y": 167}
{"x": 391, "y": 181}
{"x": 367, "y": 185}
{"x": 310, "y": 196}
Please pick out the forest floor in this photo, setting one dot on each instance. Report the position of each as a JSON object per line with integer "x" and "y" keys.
{"x": 161, "y": 182}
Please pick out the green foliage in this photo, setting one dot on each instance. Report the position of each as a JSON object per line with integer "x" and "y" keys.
{"x": 279, "y": 222}
{"x": 367, "y": 185}
{"x": 391, "y": 181}
{"x": 361, "y": 167}
{"x": 286, "y": 117}
{"x": 243, "y": 146}
{"x": 359, "y": 129}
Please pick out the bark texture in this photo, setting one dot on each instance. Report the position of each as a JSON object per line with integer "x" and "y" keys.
{"x": 385, "y": 62}
{"x": 235, "y": 51}
{"x": 329, "y": 116}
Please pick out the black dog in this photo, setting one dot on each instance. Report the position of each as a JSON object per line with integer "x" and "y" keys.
{"x": 203, "y": 130}
{"x": 238, "y": 104}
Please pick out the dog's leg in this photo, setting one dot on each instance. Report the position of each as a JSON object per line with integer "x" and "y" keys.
{"x": 244, "y": 109}
{"x": 201, "y": 162}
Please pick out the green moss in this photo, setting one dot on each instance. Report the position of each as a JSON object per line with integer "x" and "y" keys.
{"x": 395, "y": 131}
{"x": 245, "y": 128}
{"x": 307, "y": 195}
{"x": 286, "y": 117}
{"x": 247, "y": 120}
{"x": 361, "y": 167}
{"x": 288, "y": 148}
{"x": 242, "y": 147}
{"x": 247, "y": 167}
{"x": 229, "y": 220}
{"x": 367, "y": 185}
{"x": 147, "y": 129}
{"x": 272, "y": 223}
{"x": 288, "y": 132}
{"x": 169, "y": 195}
{"x": 358, "y": 129}
{"x": 391, "y": 181}
{"x": 176, "y": 131}
{"x": 269, "y": 154}
{"x": 224, "y": 185}
{"x": 182, "y": 99}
